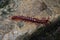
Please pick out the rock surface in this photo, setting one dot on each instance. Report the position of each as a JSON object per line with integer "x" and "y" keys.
{"x": 13, "y": 30}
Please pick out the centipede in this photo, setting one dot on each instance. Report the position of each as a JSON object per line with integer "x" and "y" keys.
{"x": 30, "y": 19}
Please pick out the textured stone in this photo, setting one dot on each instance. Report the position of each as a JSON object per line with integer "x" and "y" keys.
{"x": 32, "y": 8}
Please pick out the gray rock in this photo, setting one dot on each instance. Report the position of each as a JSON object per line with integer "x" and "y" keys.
{"x": 20, "y": 24}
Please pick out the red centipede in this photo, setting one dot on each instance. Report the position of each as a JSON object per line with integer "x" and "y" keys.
{"x": 34, "y": 20}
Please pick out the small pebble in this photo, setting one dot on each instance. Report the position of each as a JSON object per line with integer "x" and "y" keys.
{"x": 20, "y": 24}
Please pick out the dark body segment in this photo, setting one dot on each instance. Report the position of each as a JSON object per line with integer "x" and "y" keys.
{"x": 34, "y": 20}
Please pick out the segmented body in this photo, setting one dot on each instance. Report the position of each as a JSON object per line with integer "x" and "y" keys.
{"x": 34, "y": 20}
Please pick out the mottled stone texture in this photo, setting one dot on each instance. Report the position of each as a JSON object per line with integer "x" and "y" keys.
{"x": 22, "y": 30}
